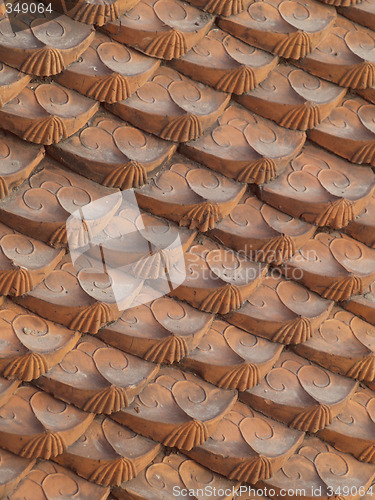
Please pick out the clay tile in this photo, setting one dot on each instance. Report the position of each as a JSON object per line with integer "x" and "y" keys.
{"x": 349, "y": 131}
{"x": 49, "y": 480}
{"x": 108, "y": 71}
{"x": 293, "y": 98}
{"x": 161, "y": 28}
{"x": 232, "y": 358}
{"x": 261, "y": 232}
{"x": 352, "y": 63}
{"x": 46, "y": 113}
{"x": 224, "y": 62}
{"x": 290, "y": 30}
{"x": 112, "y": 152}
{"x": 98, "y": 378}
{"x": 333, "y": 265}
{"x": 247, "y": 446}
{"x": 24, "y": 262}
{"x": 360, "y": 12}
{"x": 42, "y": 204}
{"x": 82, "y": 296}
{"x": 363, "y": 227}
{"x": 34, "y": 424}
{"x": 18, "y": 160}
{"x": 246, "y": 147}
{"x": 321, "y": 188}
{"x": 319, "y": 467}
{"x": 363, "y": 305}
{"x": 343, "y": 343}
{"x": 282, "y": 311}
{"x": 221, "y": 7}
{"x": 217, "y": 280}
{"x": 159, "y": 329}
{"x": 109, "y": 453}
{"x": 172, "y": 106}
{"x": 26, "y": 44}
{"x": 11, "y": 82}
{"x": 178, "y": 409}
{"x": 171, "y": 473}
{"x": 31, "y": 345}
{"x": 190, "y": 194}
{"x": 13, "y": 470}
{"x": 300, "y": 393}
{"x": 96, "y": 12}
{"x": 352, "y": 430}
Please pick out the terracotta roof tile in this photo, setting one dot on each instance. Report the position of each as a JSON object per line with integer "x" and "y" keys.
{"x": 159, "y": 329}
{"x": 363, "y": 305}
{"x": 172, "y": 106}
{"x": 261, "y": 232}
{"x": 231, "y": 358}
{"x": 362, "y": 13}
{"x": 293, "y": 98}
{"x": 186, "y": 413}
{"x": 290, "y": 30}
{"x": 282, "y": 311}
{"x": 246, "y": 146}
{"x": 321, "y": 188}
{"x": 161, "y": 28}
{"x": 226, "y": 63}
{"x": 13, "y": 470}
{"x": 221, "y": 7}
{"x": 111, "y": 152}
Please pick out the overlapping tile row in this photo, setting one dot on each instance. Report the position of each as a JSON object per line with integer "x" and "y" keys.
{"x": 204, "y": 109}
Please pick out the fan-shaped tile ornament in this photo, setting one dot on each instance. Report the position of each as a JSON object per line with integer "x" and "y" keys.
{"x": 223, "y": 62}
{"x": 30, "y": 345}
{"x": 161, "y": 330}
{"x": 288, "y": 29}
{"x": 217, "y": 280}
{"x": 349, "y": 131}
{"x": 161, "y": 28}
{"x": 363, "y": 227}
{"x": 190, "y": 194}
{"x": 178, "y": 409}
{"x": 351, "y": 63}
{"x": 48, "y": 480}
{"x": 26, "y": 42}
{"x": 345, "y": 344}
{"x": 282, "y": 311}
{"x": 352, "y": 431}
{"x": 321, "y": 188}
{"x": 319, "y": 467}
{"x": 12, "y": 82}
{"x": 232, "y": 358}
{"x": 247, "y": 446}
{"x": 34, "y": 424}
{"x": 96, "y": 12}
{"x": 24, "y": 262}
{"x": 221, "y": 7}
{"x": 300, "y": 393}
{"x": 98, "y": 378}
{"x": 261, "y": 232}
{"x": 109, "y": 453}
{"x": 172, "y": 106}
{"x": 108, "y": 71}
{"x": 46, "y": 113}
{"x": 112, "y": 153}
{"x": 246, "y": 147}
{"x": 83, "y": 296}
{"x": 362, "y": 13}
{"x": 171, "y": 473}
{"x": 363, "y": 305}
{"x": 333, "y": 265}
{"x": 293, "y": 98}
{"x": 17, "y": 161}
{"x": 43, "y": 203}
{"x": 13, "y": 470}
